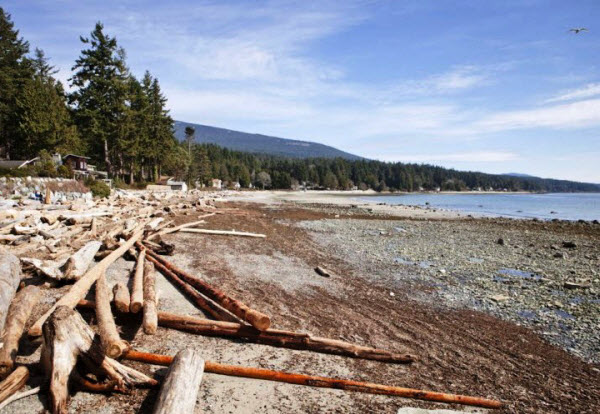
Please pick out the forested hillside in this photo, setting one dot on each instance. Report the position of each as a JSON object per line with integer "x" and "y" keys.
{"x": 210, "y": 161}
{"x": 258, "y": 143}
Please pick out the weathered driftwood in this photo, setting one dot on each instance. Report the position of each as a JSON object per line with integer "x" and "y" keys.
{"x": 153, "y": 225}
{"x": 257, "y": 319}
{"x": 223, "y": 232}
{"x": 179, "y": 389}
{"x": 18, "y": 313}
{"x": 10, "y": 277}
{"x": 279, "y": 338}
{"x": 13, "y": 383}
{"x": 150, "y": 321}
{"x": 202, "y": 302}
{"x": 322, "y": 271}
{"x": 180, "y": 227}
{"x": 112, "y": 343}
{"x": 121, "y": 297}
{"x": 322, "y": 382}
{"x": 83, "y": 285}
{"x": 48, "y": 197}
{"x": 67, "y": 339}
{"x": 137, "y": 286}
{"x": 94, "y": 226}
{"x": 78, "y": 264}
{"x": 18, "y": 396}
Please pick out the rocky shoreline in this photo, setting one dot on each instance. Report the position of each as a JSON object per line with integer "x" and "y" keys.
{"x": 543, "y": 275}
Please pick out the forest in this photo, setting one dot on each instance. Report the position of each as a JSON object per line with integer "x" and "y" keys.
{"x": 122, "y": 123}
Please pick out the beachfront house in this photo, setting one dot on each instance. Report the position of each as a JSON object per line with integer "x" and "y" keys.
{"x": 216, "y": 183}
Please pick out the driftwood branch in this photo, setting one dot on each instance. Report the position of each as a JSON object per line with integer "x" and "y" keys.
{"x": 112, "y": 343}
{"x": 180, "y": 388}
{"x": 137, "y": 288}
{"x": 13, "y": 383}
{"x": 10, "y": 277}
{"x": 18, "y": 313}
{"x": 121, "y": 297}
{"x": 322, "y": 382}
{"x": 67, "y": 339}
{"x": 83, "y": 285}
{"x": 150, "y": 321}
{"x": 224, "y": 233}
{"x": 257, "y": 319}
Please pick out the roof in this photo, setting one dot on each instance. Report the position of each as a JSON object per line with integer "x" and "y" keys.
{"x": 76, "y": 156}
{"x": 12, "y": 163}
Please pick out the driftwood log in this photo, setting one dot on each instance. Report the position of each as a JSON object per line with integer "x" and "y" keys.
{"x": 203, "y": 303}
{"x": 78, "y": 264}
{"x": 150, "y": 321}
{"x": 323, "y": 382}
{"x": 272, "y": 337}
{"x": 67, "y": 339}
{"x": 18, "y": 314}
{"x": 182, "y": 226}
{"x": 224, "y": 232}
{"x": 112, "y": 343}
{"x": 257, "y": 319}
{"x": 13, "y": 383}
{"x": 10, "y": 277}
{"x": 179, "y": 389}
{"x": 121, "y": 297}
{"x": 83, "y": 285}
{"x": 137, "y": 286}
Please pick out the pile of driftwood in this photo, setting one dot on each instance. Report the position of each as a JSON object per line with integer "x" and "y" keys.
{"x": 77, "y": 244}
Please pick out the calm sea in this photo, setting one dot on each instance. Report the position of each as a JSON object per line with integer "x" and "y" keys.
{"x": 566, "y": 206}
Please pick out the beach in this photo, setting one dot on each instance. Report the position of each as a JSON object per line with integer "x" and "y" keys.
{"x": 504, "y": 320}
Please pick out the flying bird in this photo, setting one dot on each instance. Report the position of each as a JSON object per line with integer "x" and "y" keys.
{"x": 577, "y": 30}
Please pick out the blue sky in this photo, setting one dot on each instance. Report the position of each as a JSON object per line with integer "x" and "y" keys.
{"x": 494, "y": 86}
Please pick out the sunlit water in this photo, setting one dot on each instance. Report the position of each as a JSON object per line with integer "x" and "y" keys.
{"x": 565, "y": 206}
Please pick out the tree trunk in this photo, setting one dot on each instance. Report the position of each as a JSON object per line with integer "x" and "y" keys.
{"x": 18, "y": 314}
{"x": 200, "y": 301}
{"x": 66, "y": 338}
{"x": 150, "y": 317}
{"x": 113, "y": 345}
{"x": 83, "y": 285}
{"x": 137, "y": 287}
{"x": 10, "y": 277}
{"x": 322, "y": 382}
{"x": 121, "y": 297}
{"x": 131, "y": 177}
{"x": 107, "y": 159}
{"x": 13, "y": 383}
{"x": 257, "y": 319}
{"x": 180, "y": 388}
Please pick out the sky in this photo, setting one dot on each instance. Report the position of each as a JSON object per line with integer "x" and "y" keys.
{"x": 496, "y": 86}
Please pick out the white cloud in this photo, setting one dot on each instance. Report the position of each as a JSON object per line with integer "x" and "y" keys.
{"x": 588, "y": 91}
{"x": 566, "y": 116}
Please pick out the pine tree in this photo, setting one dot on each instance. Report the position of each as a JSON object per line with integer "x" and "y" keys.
{"x": 100, "y": 99}
{"x": 15, "y": 72}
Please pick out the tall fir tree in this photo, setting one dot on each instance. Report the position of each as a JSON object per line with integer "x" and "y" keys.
{"x": 15, "y": 72}
{"x": 100, "y": 97}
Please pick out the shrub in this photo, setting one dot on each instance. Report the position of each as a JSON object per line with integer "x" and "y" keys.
{"x": 65, "y": 171}
{"x": 98, "y": 188}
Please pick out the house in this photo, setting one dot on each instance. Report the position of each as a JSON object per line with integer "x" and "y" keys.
{"x": 237, "y": 185}
{"x": 177, "y": 185}
{"x": 78, "y": 163}
{"x": 216, "y": 183}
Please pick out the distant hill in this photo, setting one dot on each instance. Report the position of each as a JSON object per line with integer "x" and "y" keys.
{"x": 514, "y": 174}
{"x": 263, "y": 144}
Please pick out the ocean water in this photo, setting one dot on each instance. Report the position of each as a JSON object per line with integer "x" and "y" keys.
{"x": 564, "y": 206}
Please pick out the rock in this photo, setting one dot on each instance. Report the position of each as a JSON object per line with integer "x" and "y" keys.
{"x": 500, "y": 241}
{"x": 569, "y": 245}
{"x": 392, "y": 294}
{"x": 410, "y": 410}
{"x": 499, "y": 298}
{"x": 561, "y": 255}
{"x": 573, "y": 285}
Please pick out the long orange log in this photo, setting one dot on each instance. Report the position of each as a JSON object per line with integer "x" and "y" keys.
{"x": 323, "y": 382}
{"x": 273, "y": 337}
{"x": 255, "y": 318}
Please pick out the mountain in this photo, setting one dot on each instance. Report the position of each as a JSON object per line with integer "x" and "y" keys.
{"x": 513, "y": 174}
{"x": 257, "y": 143}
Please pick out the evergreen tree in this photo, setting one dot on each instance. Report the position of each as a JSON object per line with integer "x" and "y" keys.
{"x": 15, "y": 72}
{"x": 100, "y": 99}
